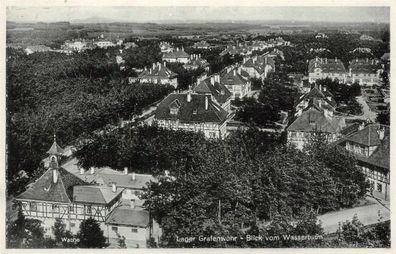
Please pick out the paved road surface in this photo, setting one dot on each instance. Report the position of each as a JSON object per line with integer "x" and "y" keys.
{"x": 366, "y": 214}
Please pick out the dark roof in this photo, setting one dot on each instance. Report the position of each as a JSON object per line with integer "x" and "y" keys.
{"x": 368, "y": 136}
{"x": 176, "y": 54}
{"x": 217, "y": 90}
{"x": 193, "y": 111}
{"x": 327, "y": 65}
{"x": 129, "y": 217}
{"x": 259, "y": 63}
{"x": 364, "y": 66}
{"x": 315, "y": 93}
{"x": 44, "y": 188}
{"x": 158, "y": 71}
{"x": 314, "y": 119}
{"x": 126, "y": 181}
{"x": 95, "y": 194}
{"x": 232, "y": 77}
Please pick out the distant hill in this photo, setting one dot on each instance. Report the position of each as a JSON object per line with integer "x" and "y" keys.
{"x": 92, "y": 20}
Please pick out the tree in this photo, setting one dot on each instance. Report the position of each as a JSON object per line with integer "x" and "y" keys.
{"x": 90, "y": 235}
{"x": 16, "y": 233}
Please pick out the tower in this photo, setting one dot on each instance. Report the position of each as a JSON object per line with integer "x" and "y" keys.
{"x": 55, "y": 153}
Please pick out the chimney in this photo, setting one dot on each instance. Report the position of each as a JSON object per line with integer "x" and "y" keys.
{"x": 199, "y": 55}
{"x": 324, "y": 89}
{"x": 217, "y": 78}
{"x": 206, "y": 103}
{"x": 381, "y": 133}
{"x": 132, "y": 203}
{"x": 234, "y": 72}
{"x": 81, "y": 171}
{"x": 113, "y": 187}
{"x": 166, "y": 172}
{"x": 336, "y": 59}
{"x": 54, "y": 175}
{"x": 239, "y": 71}
{"x": 212, "y": 80}
{"x": 153, "y": 65}
{"x": 92, "y": 170}
{"x": 366, "y": 60}
{"x": 189, "y": 96}
{"x": 164, "y": 64}
{"x": 133, "y": 176}
{"x": 177, "y": 49}
{"x": 125, "y": 170}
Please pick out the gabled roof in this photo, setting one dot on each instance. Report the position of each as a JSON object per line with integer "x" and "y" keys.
{"x": 368, "y": 136}
{"x": 95, "y": 194}
{"x": 366, "y": 66}
{"x": 126, "y": 181}
{"x": 232, "y": 78}
{"x": 158, "y": 71}
{"x": 129, "y": 217}
{"x": 201, "y": 44}
{"x": 193, "y": 111}
{"x": 314, "y": 119}
{"x": 315, "y": 93}
{"x": 44, "y": 189}
{"x": 326, "y": 65}
{"x": 217, "y": 90}
{"x": 176, "y": 54}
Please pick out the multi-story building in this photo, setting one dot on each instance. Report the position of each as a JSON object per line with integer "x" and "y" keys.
{"x": 104, "y": 44}
{"x": 201, "y": 45}
{"x": 321, "y": 68}
{"x": 313, "y": 120}
{"x": 157, "y": 74}
{"x": 192, "y": 112}
{"x": 73, "y": 194}
{"x": 177, "y": 56}
{"x": 213, "y": 87}
{"x": 165, "y": 47}
{"x": 258, "y": 66}
{"x": 78, "y": 45}
{"x": 321, "y": 36}
{"x": 366, "y": 72}
{"x": 371, "y": 146}
{"x": 236, "y": 81}
{"x": 196, "y": 62}
{"x": 36, "y": 48}
{"x": 323, "y": 98}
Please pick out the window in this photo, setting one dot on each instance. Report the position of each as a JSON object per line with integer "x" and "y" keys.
{"x": 115, "y": 229}
{"x": 72, "y": 225}
{"x": 212, "y": 134}
{"x": 88, "y": 209}
{"x": 71, "y": 209}
{"x": 55, "y": 207}
{"x": 134, "y": 230}
{"x": 33, "y": 206}
{"x": 379, "y": 187}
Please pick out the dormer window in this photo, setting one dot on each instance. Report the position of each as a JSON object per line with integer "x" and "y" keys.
{"x": 174, "y": 111}
{"x": 174, "y": 107}
{"x": 195, "y": 112}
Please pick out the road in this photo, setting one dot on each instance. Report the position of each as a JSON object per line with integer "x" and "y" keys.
{"x": 367, "y": 113}
{"x": 366, "y": 214}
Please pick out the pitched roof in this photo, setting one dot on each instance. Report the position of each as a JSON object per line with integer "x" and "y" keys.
{"x": 158, "y": 71}
{"x": 327, "y": 65}
{"x": 55, "y": 149}
{"x": 44, "y": 188}
{"x": 364, "y": 66}
{"x": 176, "y": 54}
{"x": 316, "y": 93}
{"x": 126, "y": 181}
{"x": 259, "y": 63}
{"x": 232, "y": 78}
{"x": 38, "y": 48}
{"x": 95, "y": 194}
{"x": 201, "y": 44}
{"x": 193, "y": 111}
{"x": 368, "y": 136}
{"x": 314, "y": 119}
{"x": 217, "y": 90}
{"x": 129, "y": 217}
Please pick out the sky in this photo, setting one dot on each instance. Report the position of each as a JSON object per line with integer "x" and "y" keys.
{"x": 200, "y": 14}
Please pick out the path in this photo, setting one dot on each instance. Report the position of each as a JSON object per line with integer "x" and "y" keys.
{"x": 366, "y": 214}
{"x": 367, "y": 113}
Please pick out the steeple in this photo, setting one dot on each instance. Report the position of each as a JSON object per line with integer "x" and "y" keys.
{"x": 54, "y": 154}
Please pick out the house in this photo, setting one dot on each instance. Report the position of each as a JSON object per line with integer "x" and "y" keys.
{"x": 366, "y": 72}
{"x": 213, "y": 87}
{"x": 321, "y": 68}
{"x": 258, "y": 66}
{"x": 323, "y": 98}
{"x": 312, "y": 120}
{"x": 165, "y": 47}
{"x": 239, "y": 49}
{"x": 201, "y": 45}
{"x": 157, "y": 74}
{"x": 321, "y": 36}
{"x": 192, "y": 112}
{"x": 36, "y": 48}
{"x": 128, "y": 45}
{"x": 77, "y": 46}
{"x": 365, "y": 37}
{"x": 236, "y": 81}
{"x": 370, "y": 145}
{"x": 275, "y": 53}
{"x": 196, "y": 62}
{"x": 104, "y": 44}
{"x": 178, "y": 56}
{"x": 69, "y": 192}
{"x": 361, "y": 50}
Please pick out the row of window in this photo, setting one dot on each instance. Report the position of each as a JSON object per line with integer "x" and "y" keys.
{"x": 133, "y": 230}
{"x": 55, "y": 208}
